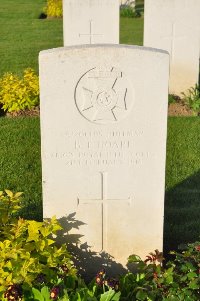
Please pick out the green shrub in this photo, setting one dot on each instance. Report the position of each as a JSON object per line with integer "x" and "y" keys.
{"x": 18, "y": 94}
{"x": 151, "y": 281}
{"x": 129, "y": 12}
{"x": 192, "y": 98}
{"x": 177, "y": 280}
{"x": 28, "y": 255}
{"x": 32, "y": 268}
{"x": 172, "y": 98}
{"x": 54, "y": 8}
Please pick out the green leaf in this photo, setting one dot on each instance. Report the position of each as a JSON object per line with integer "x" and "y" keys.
{"x": 110, "y": 295}
{"x": 139, "y": 276}
{"x": 40, "y": 245}
{"x": 50, "y": 242}
{"x": 9, "y": 193}
{"x": 169, "y": 279}
{"x": 141, "y": 295}
{"x": 78, "y": 297}
{"x": 191, "y": 275}
{"x": 194, "y": 285}
{"x": 116, "y": 296}
{"x": 18, "y": 194}
{"x": 134, "y": 258}
{"x": 33, "y": 231}
{"x": 45, "y": 293}
{"x": 37, "y": 294}
{"x": 107, "y": 295}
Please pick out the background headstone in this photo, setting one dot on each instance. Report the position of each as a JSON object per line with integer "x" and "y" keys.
{"x": 90, "y": 22}
{"x": 174, "y": 25}
{"x": 103, "y": 131}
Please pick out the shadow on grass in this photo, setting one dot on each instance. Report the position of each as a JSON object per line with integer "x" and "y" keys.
{"x": 182, "y": 214}
{"x": 42, "y": 16}
{"x": 2, "y": 112}
{"x": 139, "y": 6}
{"x": 88, "y": 263}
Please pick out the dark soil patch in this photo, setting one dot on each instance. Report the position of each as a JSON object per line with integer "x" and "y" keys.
{"x": 179, "y": 109}
{"x": 33, "y": 112}
{"x": 2, "y": 113}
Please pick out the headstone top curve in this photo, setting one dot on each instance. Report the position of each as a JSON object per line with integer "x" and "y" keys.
{"x": 106, "y": 46}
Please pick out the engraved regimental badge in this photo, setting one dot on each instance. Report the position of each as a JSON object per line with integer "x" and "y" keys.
{"x": 104, "y": 95}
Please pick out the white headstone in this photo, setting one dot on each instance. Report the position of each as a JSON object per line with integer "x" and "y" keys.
{"x": 174, "y": 25}
{"x": 90, "y": 22}
{"x": 103, "y": 131}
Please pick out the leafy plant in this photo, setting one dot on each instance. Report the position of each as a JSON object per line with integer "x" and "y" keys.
{"x": 192, "y": 98}
{"x": 32, "y": 268}
{"x": 100, "y": 289}
{"x": 54, "y": 8}
{"x": 151, "y": 281}
{"x": 127, "y": 11}
{"x": 19, "y": 94}
{"x": 177, "y": 280}
{"x": 28, "y": 255}
{"x": 172, "y": 98}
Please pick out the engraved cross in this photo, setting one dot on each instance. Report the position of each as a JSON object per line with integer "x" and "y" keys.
{"x": 104, "y": 201}
{"x": 173, "y": 38}
{"x": 90, "y": 34}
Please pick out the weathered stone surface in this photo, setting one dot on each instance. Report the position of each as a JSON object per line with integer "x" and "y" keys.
{"x": 174, "y": 25}
{"x": 103, "y": 131}
{"x": 90, "y": 22}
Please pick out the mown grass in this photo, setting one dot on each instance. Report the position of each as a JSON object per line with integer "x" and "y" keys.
{"x": 20, "y": 163}
{"x": 131, "y": 30}
{"x": 23, "y": 35}
{"x": 182, "y": 198}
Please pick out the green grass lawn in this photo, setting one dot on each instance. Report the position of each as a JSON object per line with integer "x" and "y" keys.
{"x": 20, "y": 163}
{"x": 23, "y": 35}
{"x": 130, "y": 31}
{"x": 182, "y": 197}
